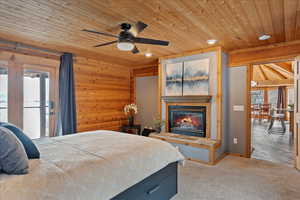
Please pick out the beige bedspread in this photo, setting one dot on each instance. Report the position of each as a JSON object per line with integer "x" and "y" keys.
{"x": 88, "y": 166}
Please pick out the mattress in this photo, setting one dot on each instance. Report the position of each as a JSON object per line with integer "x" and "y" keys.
{"x": 91, "y": 165}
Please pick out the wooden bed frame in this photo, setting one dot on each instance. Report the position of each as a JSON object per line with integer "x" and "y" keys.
{"x": 160, "y": 185}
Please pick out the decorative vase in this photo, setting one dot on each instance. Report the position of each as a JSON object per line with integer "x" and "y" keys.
{"x": 130, "y": 121}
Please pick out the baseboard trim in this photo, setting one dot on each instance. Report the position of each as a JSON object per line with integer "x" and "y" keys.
{"x": 236, "y": 155}
{"x": 220, "y": 158}
{"x": 199, "y": 161}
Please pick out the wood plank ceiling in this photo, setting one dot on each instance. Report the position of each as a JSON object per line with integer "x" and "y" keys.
{"x": 273, "y": 74}
{"x": 56, "y": 24}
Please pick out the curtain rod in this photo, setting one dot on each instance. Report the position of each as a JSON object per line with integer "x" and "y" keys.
{"x": 18, "y": 45}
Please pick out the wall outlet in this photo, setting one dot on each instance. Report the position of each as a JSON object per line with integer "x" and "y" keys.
{"x": 235, "y": 140}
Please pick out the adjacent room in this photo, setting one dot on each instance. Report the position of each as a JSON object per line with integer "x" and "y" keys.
{"x": 272, "y": 112}
{"x": 149, "y": 100}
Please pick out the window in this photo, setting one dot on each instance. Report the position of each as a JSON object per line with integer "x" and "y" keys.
{"x": 3, "y": 94}
{"x": 257, "y": 96}
{"x": 291, "y": 96}
{"x": 273, "y": 95}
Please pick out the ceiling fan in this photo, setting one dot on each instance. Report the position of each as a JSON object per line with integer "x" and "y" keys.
{"x": 127, "y": 39}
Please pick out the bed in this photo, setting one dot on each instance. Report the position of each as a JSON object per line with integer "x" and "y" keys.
{"x": 97, "y": 165}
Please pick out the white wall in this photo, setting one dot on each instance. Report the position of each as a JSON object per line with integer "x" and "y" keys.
{"x": 146, "y": 100}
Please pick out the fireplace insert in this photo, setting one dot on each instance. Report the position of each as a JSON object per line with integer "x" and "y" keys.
{"x": 187, "y": 120}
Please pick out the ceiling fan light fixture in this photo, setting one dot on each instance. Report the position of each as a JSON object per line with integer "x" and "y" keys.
{"x": 125, "y": 46}
{"x": 127, "y": 38}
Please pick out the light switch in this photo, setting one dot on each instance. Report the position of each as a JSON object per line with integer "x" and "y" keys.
{"x": 239, "y": 108}
{"x": 235, "y": 140}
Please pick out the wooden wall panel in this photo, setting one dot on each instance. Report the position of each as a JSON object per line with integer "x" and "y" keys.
{"x": 102, "y": 90}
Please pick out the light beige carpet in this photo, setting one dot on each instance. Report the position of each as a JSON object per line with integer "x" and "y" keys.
{"x": 237, "y": 178}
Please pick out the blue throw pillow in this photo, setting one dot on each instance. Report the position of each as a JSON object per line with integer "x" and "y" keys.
{"x": 13, "y": 158}
{"x": 30, "y": 148}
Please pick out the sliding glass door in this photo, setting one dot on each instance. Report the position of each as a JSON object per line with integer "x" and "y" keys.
{"x": 27, "y": 98}
{"x": 36, "y": 103}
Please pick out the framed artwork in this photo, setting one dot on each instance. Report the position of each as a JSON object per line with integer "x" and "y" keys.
{"x": 187, "y": 78}
{"x": 196, "y": 77}
{"x": 173, "y": 76}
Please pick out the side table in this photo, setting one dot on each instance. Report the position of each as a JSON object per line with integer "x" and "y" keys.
{"x": 135, "y": 129}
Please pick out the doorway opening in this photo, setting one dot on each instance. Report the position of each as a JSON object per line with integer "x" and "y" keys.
{"x": 272, "y": 112}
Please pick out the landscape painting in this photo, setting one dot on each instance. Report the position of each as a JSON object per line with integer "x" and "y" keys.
{"x": 196, "y": 77}
{"x": 174, "y": 79}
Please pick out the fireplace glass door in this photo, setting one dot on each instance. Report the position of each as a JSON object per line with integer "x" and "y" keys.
{"x": 187, "y": 120}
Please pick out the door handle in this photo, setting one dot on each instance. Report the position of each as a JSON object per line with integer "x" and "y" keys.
{"x": 51, "y": 105}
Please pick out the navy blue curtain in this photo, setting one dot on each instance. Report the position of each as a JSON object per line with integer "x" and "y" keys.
{"x": 67, "y": 102}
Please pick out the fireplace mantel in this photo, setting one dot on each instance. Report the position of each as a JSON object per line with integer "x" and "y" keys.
{"x": 200, "y": 99}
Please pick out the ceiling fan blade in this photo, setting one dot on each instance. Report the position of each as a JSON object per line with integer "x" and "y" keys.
{"x": 135, "y": 50}
{"x": 137, "y": 28}
{"x": 150, "y": 41}
{"x": 100, "y": 33}
{"x": 140, "y": 26}
{"x": 107, "y": 43}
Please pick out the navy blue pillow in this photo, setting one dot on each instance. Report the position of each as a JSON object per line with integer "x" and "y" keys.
{"x": 30, "y": 148}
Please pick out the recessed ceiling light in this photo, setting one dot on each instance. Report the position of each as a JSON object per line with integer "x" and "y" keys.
{"x": 212, "y": 41}
{"x": 148, "y": 54}
{"x": 264, "y": 37}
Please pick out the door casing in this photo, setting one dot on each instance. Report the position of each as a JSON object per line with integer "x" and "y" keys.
{"x": 15, "y": 92}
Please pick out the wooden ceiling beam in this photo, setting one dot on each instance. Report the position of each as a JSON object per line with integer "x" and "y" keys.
{"x": 285, "y": 66}
{"x": 266, "y": 87}
{"x": 263, "y": 74}
{"x": 265, "y": 54}
{"x": 287, "y": 73}
{"x": 274, "y": 71}
{"x": 268, "y": 83}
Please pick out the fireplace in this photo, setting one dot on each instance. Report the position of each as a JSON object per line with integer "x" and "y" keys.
{"x": 187, "y": 120}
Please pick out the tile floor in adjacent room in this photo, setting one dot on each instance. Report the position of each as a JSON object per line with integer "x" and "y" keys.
{"x": 276, "y": 147}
